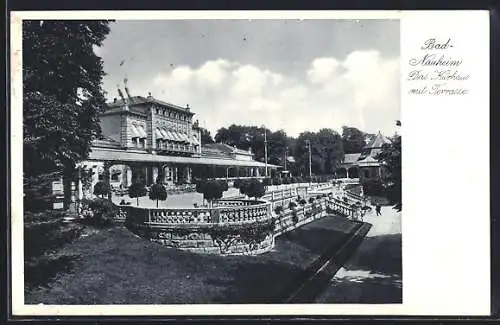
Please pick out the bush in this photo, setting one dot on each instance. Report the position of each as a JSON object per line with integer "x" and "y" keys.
{"x": 212, "y": 189}
{"x": 302, "y": 202}
{"x": 102, "y": 212}
{"x": 278, "y": 209}
{"x": 311, "y": 200}
{"x": 255, "y": 189}
{"x": 136, "y": 190}
{"x": 223, "y": 184}
{"x": 373, "y": 188}
{"x": 158, "y": 192}
{"x": 101, "y": 188}
{"x": 267, "y": 181}
{"x": 237, "y": 183}
{"x": 292, "y": 205}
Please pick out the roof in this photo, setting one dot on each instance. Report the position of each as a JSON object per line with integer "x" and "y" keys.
{"x": 377, "y": 142}
{"x": 368, "y": 161}
{"x": 106, "y": 154}
{"x": 138, "y": 100}
{"x": 351, "y": 158}
{"x": 224, "y": 148}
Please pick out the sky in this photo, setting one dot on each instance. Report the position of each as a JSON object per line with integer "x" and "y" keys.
{"x": 295, "y": 75}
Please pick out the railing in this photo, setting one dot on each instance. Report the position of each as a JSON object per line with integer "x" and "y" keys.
{"x": 341, "y": 207}
{"x": 231, "y": 213}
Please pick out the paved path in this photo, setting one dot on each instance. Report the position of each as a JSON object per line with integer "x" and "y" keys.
{"x": 374, "y": 273}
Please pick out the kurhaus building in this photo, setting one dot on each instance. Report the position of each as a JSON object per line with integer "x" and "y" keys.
{"x": 146, "y": 138}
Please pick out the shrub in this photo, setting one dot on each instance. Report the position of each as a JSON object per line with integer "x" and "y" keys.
{"x": 244, "y": 185}
{"x": 302, "y": 202}
{"x": 136, "y": 190}
{"x": 223, "y": 184}
{"x": 292, "y": 205}
{"x": 373, "y": 188}
{"x": 255, "y": 189}
{"x": 278, "y": 209}
{"x": 212, "y": 189}
{"x": 237, "y": 183}
{"x": 158, "y": 192}
{"x": 311, "y": 200}
{"x": 103, "y": 212}
{"x": 267, "y": 181}
{"x": 101, "y": 188}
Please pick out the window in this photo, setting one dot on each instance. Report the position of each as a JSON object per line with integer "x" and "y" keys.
{"x": 367, "y": 173}
{"x": 157, "y": 111}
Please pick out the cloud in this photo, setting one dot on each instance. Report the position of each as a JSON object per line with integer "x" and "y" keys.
{"x": 360, "y": 90}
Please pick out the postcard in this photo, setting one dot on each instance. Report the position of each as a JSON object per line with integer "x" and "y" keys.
{"x": 250, "y": 163}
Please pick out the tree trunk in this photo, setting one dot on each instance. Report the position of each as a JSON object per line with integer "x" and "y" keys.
{"x": 67, "y": 178}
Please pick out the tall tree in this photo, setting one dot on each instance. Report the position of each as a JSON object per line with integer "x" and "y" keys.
{"x": 206, "y": 137}
{"x": 62, "y": 94}
{"x": 353, "y": 139}
{"x": 391, "y": 157}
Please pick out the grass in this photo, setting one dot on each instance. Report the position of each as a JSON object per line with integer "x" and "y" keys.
{"x": 113, "y": 266}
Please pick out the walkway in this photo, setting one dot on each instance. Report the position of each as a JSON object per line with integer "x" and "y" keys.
{"x": 374, "y": 273}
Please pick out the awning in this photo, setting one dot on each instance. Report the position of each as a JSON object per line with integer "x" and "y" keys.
{"x": 169, "y": 135}
{"x": 135, "y": 132}
{"x": 194, "y": 139}
{"x": 159, "y": 135}
{"x": 142, "y": 133}
{"x": 164, "y": 134}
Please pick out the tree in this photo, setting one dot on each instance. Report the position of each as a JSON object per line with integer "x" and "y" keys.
{"x": 157, "y": 192}
{"x": 137, "y": 190}
{"x": 352, "y": 139}
{"x": 62, "y": 94}
{"x": 255, "y": 189}
{"x": 390, "y": 156}
{"x": 101, "y": 188}
{"x": 206, "y": 137}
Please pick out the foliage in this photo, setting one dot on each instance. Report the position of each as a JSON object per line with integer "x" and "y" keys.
{"x": 311, "y": 200}
{"x": 224, "y": 236}
{"x": 99, "y": 212}
{"x": 158, "y": 192}
{"x": 38, "y": 194}
{"x": 137, "y": 189}
{"x": 391, "y": 157}
{"x": 46, "y": 231}
{"x": 62, "y": 94}
{"x": 255, "y": 189}
{"x": 302, "y": 202}
{"x": 211, "y": 189}
{"x": 101, "y": 188}
{"x": 278, "y": 209}
{"x": 292, "y": 205}
{"x": 353, "y": 139}
{"x": 237, "y": 183}
{"x": 373, "y": 188}
{"x": 206, "y": 137}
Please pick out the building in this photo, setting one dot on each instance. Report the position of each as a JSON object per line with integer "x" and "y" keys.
{"x": 146, "y": 138}
{"x": 365, "y": 165}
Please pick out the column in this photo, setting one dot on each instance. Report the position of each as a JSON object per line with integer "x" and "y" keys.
{"x": 80, "y": 185}
{"x": 188, "y": 174}
{"x": 106, "y": 177}
{"x": 176, "y": 174}
{"x": 347, "y": 172}
{"x": 155, "y": 173}
{"x": 227, "y": 173}
{"x": 257, "y": 172}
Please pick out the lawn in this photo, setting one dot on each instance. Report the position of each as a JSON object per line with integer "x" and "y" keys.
{"x": 113, "y": 266}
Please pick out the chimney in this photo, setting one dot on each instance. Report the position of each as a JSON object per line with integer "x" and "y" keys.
{"x": 187, "y": 107}
{"x": 114, "y": 100}
{"x": 125, "y": 107}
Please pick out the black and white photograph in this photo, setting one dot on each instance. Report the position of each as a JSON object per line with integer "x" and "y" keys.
{"x": 212, "y": 161}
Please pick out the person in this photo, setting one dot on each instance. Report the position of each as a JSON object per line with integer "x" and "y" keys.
{"x": 377, "y": 209}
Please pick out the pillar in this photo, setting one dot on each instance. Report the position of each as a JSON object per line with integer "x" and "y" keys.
{"x": 176, "y": 174}
{"x": 80, "y": 185}
{"x": 188, "y": 174}
{"x": 155, "y": 173}
{"x": 257, "y": 172}
{"x": 347, "y": 173}
{"x": 107, "y": 176}
{"x": 227, "y": 173}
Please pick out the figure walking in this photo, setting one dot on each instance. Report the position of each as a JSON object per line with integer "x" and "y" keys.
{"x": 377, "y": 209}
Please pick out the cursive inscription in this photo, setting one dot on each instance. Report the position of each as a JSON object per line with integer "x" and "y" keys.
{"x": 436, "y": 71}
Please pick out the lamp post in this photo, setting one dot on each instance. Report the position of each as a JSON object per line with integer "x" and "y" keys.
{"x": 308, "y": 142}
{"x": 265, "y": 147}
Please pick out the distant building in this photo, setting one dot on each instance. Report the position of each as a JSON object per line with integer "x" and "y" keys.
{"x": 364, "y": 165}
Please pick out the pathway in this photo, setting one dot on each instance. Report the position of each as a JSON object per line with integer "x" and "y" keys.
{"x": 374, "y": 273}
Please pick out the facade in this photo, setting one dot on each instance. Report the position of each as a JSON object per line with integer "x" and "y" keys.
{"x": 365, "y": 165}
{"x": 146, "y": 138}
